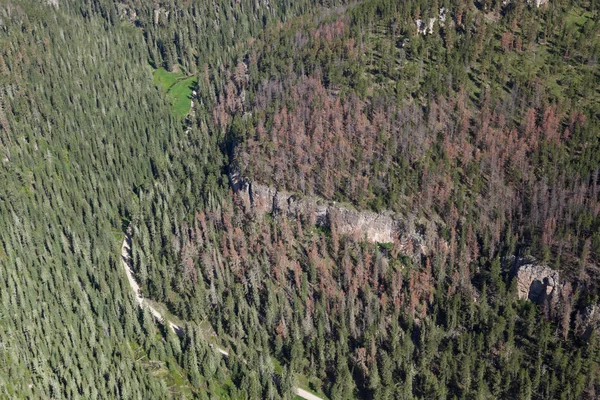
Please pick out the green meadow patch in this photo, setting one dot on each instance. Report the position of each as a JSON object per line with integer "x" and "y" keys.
{"x": 178, "y": 88}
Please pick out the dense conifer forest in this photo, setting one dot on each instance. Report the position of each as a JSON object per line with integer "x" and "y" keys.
{"x": 474, "y": 125}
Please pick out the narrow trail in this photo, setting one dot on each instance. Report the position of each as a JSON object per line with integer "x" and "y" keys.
{"x": 126, "y": 261}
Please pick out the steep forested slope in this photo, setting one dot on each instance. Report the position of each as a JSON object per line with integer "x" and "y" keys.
{"x": 360, "y": 109}
{"x": 84, "y": 136}
{"x": 72, "y": 150}
{"x": 482, "y": 136}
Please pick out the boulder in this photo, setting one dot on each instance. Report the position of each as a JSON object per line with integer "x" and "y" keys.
{"x": 538, "y": 283}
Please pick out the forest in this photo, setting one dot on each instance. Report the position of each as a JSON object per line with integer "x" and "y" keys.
{"x": 474, "y": 125}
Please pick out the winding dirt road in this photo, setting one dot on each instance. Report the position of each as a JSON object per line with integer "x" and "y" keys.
{"x": 126, "y": 260}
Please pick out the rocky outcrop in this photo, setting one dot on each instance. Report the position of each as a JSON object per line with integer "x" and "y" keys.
{"x": 591, "y": 321}
{"x": 543, "y": 285}
{"x": 426, "y": 27}
{"x": 537, "y": 3}
{"x": 538, "y": 283}
{"x": 127, "y": 12}
{"x": 362, "y": 225}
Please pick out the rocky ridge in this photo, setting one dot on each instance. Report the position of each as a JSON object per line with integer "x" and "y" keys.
{"x": 382, "y": 227}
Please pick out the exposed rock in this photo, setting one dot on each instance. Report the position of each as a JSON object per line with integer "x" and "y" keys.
{"x": 160, "y": 14}
{"x": 538, "y": 283}
{"x": 127, "y": 12}
{"x": 368, "y": 225}
{"x": 538, "y": 3}
{"x": 591, "y": 321}
{"x": 543, "y": 285}
{"x": 442, "y": 16}
{"x": 425, "y": 28}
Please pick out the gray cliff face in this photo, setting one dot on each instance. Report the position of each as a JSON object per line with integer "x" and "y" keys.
{"x": 538, "y": 283}
{"x": 543, "y": 285}
{"x": 362, "y": 225}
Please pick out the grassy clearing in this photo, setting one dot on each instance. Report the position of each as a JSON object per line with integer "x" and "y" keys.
{"x": 166, "y": 79}
{"x": 305, "y": 383}
{"x": 181, "y": 93}
{"x": 178, "y": 88}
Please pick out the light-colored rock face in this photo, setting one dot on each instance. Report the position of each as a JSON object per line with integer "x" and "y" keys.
{"x": 538, "y": 3}
{"x": 543, "y": 285}
{"x": 591, "y": 321}
{"x": 537, "y": 283}
{"x": 362, "y": 225}
{"x": 425, "y": 28}
{"x": 375, "y": 227}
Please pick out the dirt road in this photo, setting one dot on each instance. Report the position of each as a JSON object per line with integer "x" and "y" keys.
{"x": 126, "y": 260}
